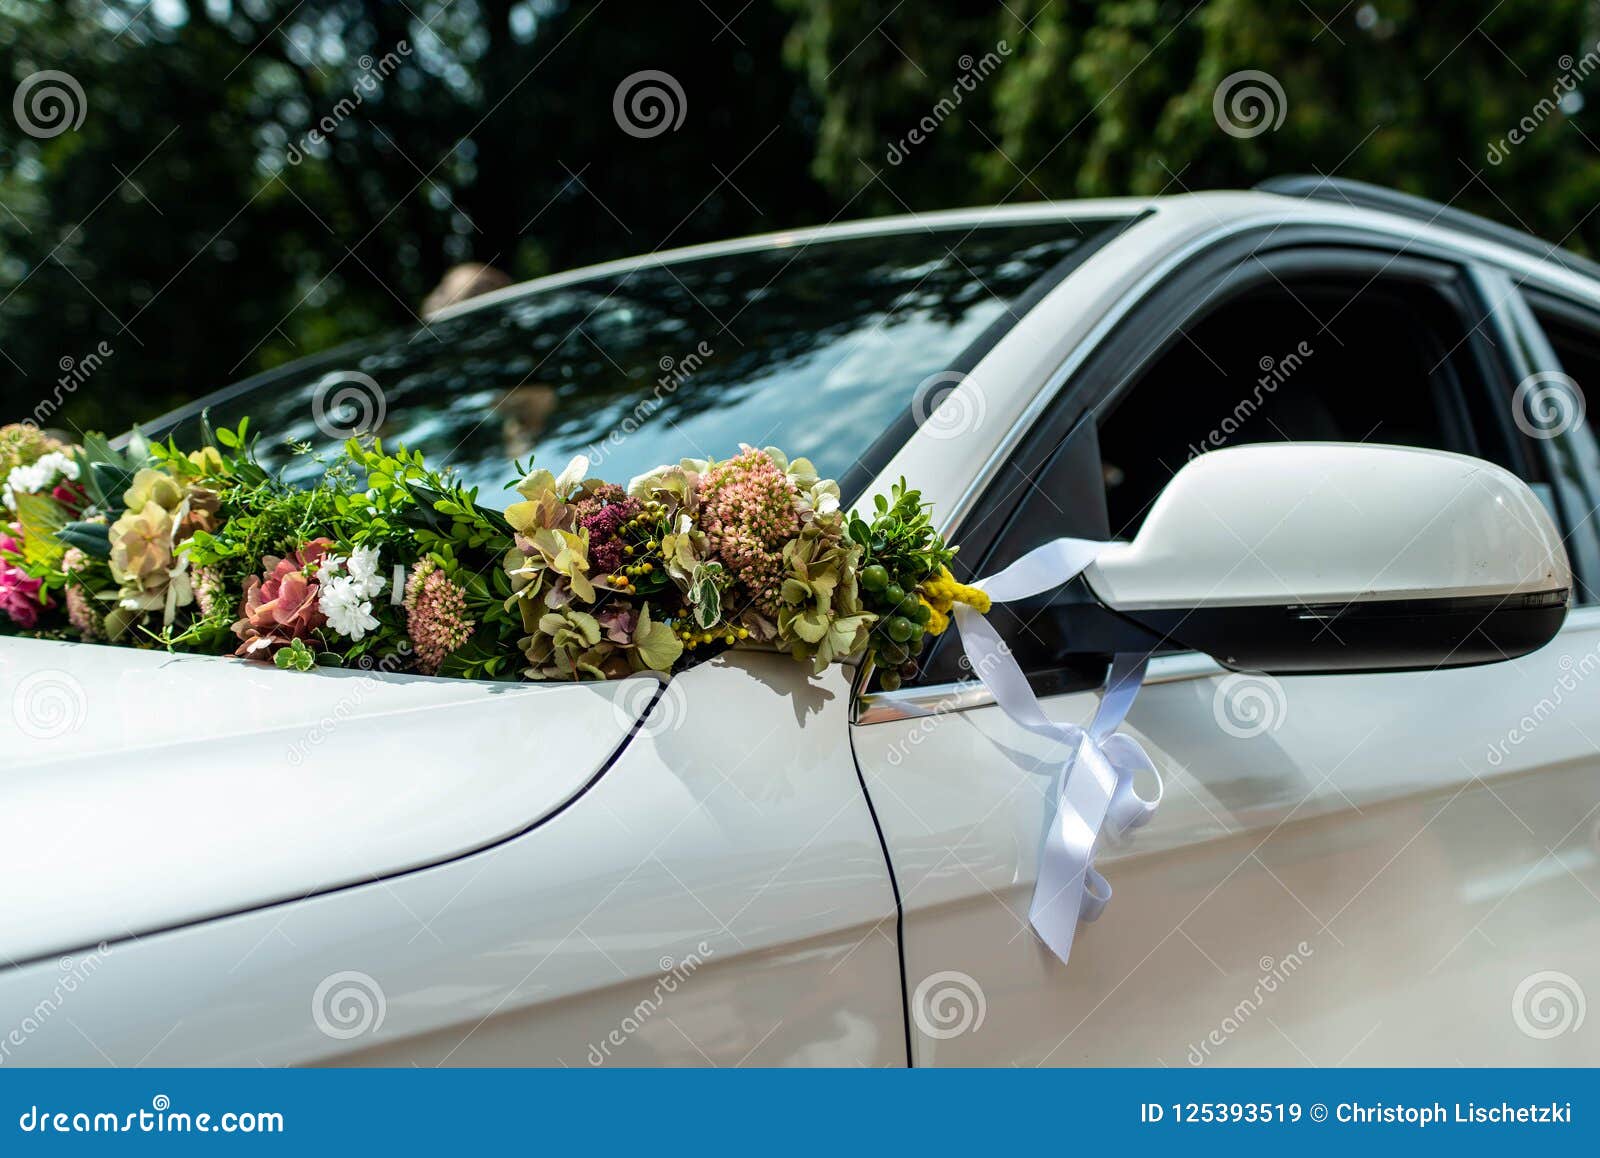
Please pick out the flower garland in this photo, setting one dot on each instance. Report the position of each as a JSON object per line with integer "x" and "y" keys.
{"x": 390, "y": 563}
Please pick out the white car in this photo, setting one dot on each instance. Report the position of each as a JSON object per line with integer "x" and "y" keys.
{"x": 1394, "y": 861}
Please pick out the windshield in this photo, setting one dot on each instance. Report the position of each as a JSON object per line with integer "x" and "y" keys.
{"x": 816, "y": 348}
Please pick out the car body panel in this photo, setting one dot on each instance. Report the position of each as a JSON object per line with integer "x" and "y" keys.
{"x": 743, "y": 872}
{"x": 1386, "y": 851}
{"x": 1429, "y": 850}
{"x": 144, "y": 790}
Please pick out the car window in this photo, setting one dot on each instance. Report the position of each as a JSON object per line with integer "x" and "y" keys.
{"x": 1559, "y": 426}
{"x": 814, "y": 347}
{"x": 1318, "y": 359}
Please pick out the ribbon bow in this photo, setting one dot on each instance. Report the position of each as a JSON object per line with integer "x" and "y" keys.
{"x": 1094, "y": 785}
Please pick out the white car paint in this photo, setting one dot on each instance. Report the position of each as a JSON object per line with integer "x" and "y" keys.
{"x": 1424, "y": 879}
{"x": 165, "y": 789}
{"x": 1420, "y": 523}
{"x": 718, "y": 896}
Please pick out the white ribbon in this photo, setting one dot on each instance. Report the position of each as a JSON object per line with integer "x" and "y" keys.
{"x": 1093, "y": 788}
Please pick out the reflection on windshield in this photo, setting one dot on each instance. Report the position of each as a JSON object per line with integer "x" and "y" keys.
{"x": 815, "y": 347}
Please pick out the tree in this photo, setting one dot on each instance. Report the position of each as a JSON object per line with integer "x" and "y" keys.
{"x": 252, "y": 181}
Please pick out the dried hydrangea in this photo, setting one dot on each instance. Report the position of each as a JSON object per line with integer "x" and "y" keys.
{"x": 21, "y": 444}
{"x": 280, "y": 605}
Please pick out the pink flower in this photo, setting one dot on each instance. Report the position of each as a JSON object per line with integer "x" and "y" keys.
{"x": 282, "y": 606}
{"x": 436, "y": 616}
{"x": 747, "y": 507}
{"x": 19, "y": 592}
{"x": 602, "y": 513}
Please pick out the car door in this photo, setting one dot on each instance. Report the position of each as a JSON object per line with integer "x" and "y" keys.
{"x": 1352, "y": 869}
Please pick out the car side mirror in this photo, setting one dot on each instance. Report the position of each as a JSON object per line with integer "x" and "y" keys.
{"x": 1339, "y": 557}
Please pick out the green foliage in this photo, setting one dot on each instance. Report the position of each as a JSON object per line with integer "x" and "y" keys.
{"x": 201, "y": 223}
{"x": 1116, "y": 98}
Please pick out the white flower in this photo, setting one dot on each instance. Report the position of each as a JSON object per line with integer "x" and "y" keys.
{"x": 38, "y": 477}
{"x": 348, "y": 613}
{"x": 328, "y": 569}
{"x": 363, "y": 567}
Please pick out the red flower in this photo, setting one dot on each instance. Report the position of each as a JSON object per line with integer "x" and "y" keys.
{"x": 281, "y": 606}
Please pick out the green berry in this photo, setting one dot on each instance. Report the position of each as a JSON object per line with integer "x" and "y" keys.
{"x": 889, "y": 681}
{"x": 898, "y": 628}
{"x": 893, "y": 594}
{"x": 875, "y": 577}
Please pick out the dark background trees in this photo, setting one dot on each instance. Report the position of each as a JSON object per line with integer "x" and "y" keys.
{"x": 192, "y": 223}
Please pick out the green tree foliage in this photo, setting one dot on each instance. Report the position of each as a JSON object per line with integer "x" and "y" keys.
{"x": 195, "y": 223}
{"x": 1112, "y": 98}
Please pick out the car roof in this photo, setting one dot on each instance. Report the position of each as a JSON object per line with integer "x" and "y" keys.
{"x": 1279, "y": 200}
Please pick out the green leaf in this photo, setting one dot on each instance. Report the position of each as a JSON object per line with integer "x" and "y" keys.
{"x": 93, "y": 539}
{"x": 42, "y": 519}
{"x": 658, "y": 647}
{"x": 296, "y": 657}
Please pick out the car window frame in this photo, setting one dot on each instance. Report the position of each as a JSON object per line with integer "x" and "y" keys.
{"x": 1520, "y": 299}
{"x": 1066, "y": 437}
